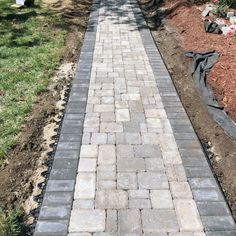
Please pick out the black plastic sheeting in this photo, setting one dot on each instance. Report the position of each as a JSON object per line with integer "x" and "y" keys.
{"x": 202, "y": 63}
{"x": 212, "y": 27}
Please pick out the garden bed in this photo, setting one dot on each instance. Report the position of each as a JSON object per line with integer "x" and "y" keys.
{"x": 189, "y": 24}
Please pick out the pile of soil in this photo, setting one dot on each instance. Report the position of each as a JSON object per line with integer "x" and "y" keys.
{"x": 19, "y": 173}
{"x": 182, "y": 30}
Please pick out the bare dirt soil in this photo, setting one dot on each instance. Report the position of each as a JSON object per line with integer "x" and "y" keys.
{"x": 20, "y": 172}
{"x": 179, "y": 32}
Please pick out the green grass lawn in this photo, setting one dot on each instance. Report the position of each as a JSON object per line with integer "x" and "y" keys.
{"x": 31, "y": 43}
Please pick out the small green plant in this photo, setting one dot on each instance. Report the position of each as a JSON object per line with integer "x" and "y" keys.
{"x": 221, "y": 6}
{"x": 10, "y": 222}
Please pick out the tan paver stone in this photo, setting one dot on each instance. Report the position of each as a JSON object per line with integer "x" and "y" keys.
{"x": 155, "y": 234}
{"x": 87, "y": 220}
{"x": 129, "y": 221}
{"x": 89, "y": 151}
{"x": 155, "y": 113}
{"x": 139, "y": 204}
{"x": 154, "y": 123}
{"x": 167, "y": 142}
{"x": 111, "y": 199}
{"x": 181, "y": 190}
{"x": 85, "y": 186}
{"x": 159, "y": 221}
{"x": 108, "y": 117}
{"x": 188, "y": 216}
{"x": 99, "y": 138}
{"x": 103, "y": 108}
{"x": 111, "y": 138}
{"x": 125, "y": 151}
{"x": 106, "y": 155}
{"x": 121, "y": 104}
{"x": 126, "y": 180}
{"x": 107, "y": 100}
{"x": 130, "y": 165}
{"x": 83, "y": 204}
{"x": 161, "y": 199}
{"x": 140, "y": 193}
{"x": 152, "y": 180}
{"x": 171, "y": 157}
{"x": 86, "y": 138}
{"x": 155, "y": 164}
{"x": 150, "y": 138}
{"x": 122, "y": 115}
{"x": 135, "y": 106}
{"x": 111, "y": 221}
{"x": 188, "y": 234}
{"x": 106, "y": 175}
{"x": 175, "y": 173}
{"x": 105, "y": 168}
{"x": 132, "y": 138}
{"x": 111, "y": 127}
{"x": 130, "y": 97}
{"x": 87, "y": 165}
{"x": 91, "y": 122}
{"x": 147, "y": 151}
{"x": 106, "y": 184}
{"x": 80, "y": 234}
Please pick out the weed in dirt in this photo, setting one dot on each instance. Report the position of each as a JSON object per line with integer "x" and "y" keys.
{"x": 10, "y": 222}
{"x": 30, "y": 48}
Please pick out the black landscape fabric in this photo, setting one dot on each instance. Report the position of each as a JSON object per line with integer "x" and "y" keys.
{"x": 202, "y": 63}
{"x": 212, "y": 27}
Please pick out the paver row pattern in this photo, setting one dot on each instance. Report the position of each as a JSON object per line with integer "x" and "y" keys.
{"x": 131, "y": 179}
{"x": 141, "y": 170}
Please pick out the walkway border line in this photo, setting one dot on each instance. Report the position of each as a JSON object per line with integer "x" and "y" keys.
{"x": 58, "y": 196}
{"x": 213, "y": 209}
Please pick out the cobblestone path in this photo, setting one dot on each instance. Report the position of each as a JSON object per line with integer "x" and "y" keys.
{"x": 141, "y": 168}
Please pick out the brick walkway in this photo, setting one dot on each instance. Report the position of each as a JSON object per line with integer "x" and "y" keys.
{"x": 141, "y": 168}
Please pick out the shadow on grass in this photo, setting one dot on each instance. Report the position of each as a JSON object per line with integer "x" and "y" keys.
{"x": 67, "y": 18}
{"x": 17, "y": 25}
{"x": 18, "y": 17}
